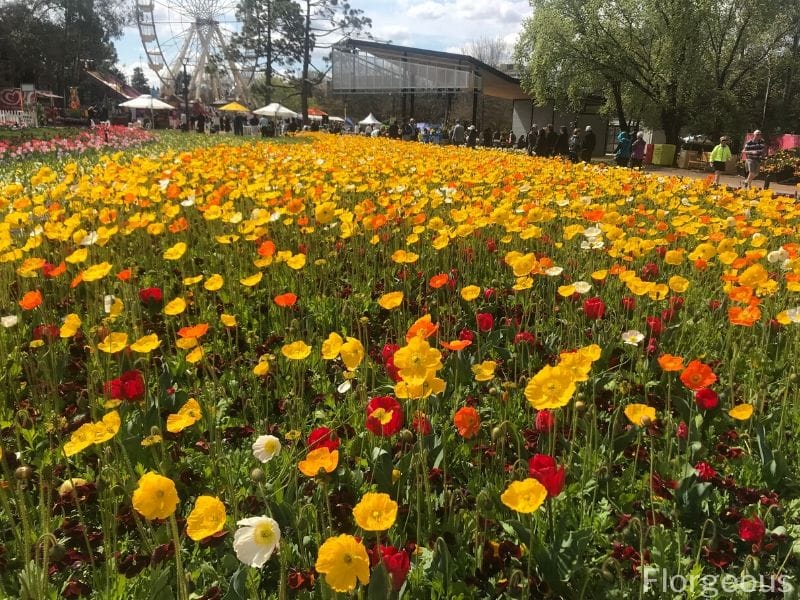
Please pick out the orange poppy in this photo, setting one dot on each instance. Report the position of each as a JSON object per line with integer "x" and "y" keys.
{"x": 741, "y": 294}
{"x": 76, "y": 281}
{"x": 422, "y": 327}
{"x": 179, "y": 225}
{"x": 286, "y": 300}
{"x": 266, "y": 249}
{"x": 57, "y": 270}
{"x": 31, "y": 300}
{"x": 700, "y": 264}
{"x": 697, "y": 375}
{"x": 467, "y": 422}
{"x": 124, "y": 275}
{"x": 669, "y": 362}
{"x": 456, "y": 345}
{"x": 439, "y": 280}
{"x": 745, "y": 317}
{"x": 193, "y": 331}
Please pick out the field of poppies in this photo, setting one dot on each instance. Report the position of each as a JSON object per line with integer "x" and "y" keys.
{"x": 349, "y": 367}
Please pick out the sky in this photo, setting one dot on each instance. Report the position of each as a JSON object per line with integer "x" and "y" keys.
{"x": 447, "y": 25}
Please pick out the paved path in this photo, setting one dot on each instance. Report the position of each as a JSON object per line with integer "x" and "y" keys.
{"x": 733, "y": 181}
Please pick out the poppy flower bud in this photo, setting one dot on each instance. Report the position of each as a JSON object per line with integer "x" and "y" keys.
{"x": 257, "y": 475}
{"x": 23, "y": 472}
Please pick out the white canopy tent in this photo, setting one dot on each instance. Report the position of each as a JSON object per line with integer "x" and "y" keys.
{"x": 370, "y": 120}
{"x": 147, "y": 101}
{"x": 276, "y": 110}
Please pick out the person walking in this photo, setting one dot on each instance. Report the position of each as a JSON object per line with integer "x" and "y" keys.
{"x": 622, "y": 152}
{"x": 561, "y": 148}
{"x": 719, "y": 156}
{"x": 575, "y": 145}
{"x": 637, "y": 151}
{"x": 551, "y": 140}
{"x": 588, "y": 144}
{"x": 457, "y": 135}
{"x": 540, "y": 149}
{"x": 754, "y": 151}
{"x": 533, "y": 134}
{"x": 472, "y": 137}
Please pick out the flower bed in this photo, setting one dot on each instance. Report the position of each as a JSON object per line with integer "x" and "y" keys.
{"x": 26, "y": 143}
{"x": 290, "y": 371}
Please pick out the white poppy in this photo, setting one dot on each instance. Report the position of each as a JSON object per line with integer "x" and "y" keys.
{"x": 9, "y": 321}
{"x": 582, "y": 286}
{"x": 632, "y": 337}
{"x": 344, "y": 387}
{"x": 89, "y": 239}
{"x": 266, "y": 447}
{"x": 108, "y": 302}
{"x": 554, "y": 271}
{"x": 777, "y": 256}
{"x": 256, "y": 540}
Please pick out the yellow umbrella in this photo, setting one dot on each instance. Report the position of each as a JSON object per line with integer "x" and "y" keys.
{"x": 234, "y": 107}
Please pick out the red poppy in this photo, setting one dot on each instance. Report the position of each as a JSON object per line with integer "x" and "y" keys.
{"x": 705, "y": 471}
{"x": 384, "y": 416}
{"x": 467, "y": 422}
{"x": 706, "y": 399}
{"x": 594, "y": 308}
{"x": 151, "y": 296}
{"x": 128, "y": 386}
{"x": 655, "y": 326}
{"x": 544, "y": 469}
{"x": 752, "y": 530}
{"x": 628, "y": 303}
{"x": 466, "y": 334}
{"x": 323, "y": 437}
{"x": 396, "y": 562}
{"x": 525, "y": 337}
{"x": 545, "y": 421}
{"x": 421, "y": 423}
{"x": 47, "y": 333}
{"x": 388, "y": 351}
{"x": 485, "y": 321}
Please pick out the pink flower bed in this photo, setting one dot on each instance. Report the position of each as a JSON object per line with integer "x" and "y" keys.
{"x": 113, "y": 137}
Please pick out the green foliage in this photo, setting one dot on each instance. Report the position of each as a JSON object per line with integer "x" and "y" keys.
{"x": 670, "y": 62}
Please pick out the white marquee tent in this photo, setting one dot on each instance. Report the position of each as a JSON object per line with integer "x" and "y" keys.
{"x": 369, "y": 120}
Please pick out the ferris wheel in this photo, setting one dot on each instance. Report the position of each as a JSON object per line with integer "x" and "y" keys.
{"x": 195, "y": 34}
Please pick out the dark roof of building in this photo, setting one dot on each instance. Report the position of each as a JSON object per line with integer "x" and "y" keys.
{"x": 496, "y": 83}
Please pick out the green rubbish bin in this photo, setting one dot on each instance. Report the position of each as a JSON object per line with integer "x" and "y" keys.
{"x": 663, "y": 154}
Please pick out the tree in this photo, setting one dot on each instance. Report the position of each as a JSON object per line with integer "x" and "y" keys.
{"x": 139, "y": 81}
{"x": 324, "y": 23}
{"x": 492, "y": 51}
{"x": 49, "y": 41}
{"x": 670, "y": 59}
{"x": 271, "y": 36}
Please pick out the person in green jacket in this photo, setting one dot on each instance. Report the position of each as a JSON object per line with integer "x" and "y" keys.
{"x": 719, "y": 156}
